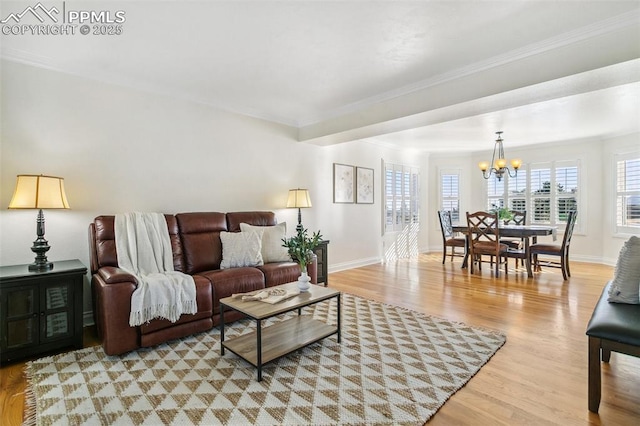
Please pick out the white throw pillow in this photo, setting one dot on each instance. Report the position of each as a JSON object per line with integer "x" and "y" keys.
{"x": 240, "y": 249}
{"x": 272, "y": 249}
{"x": 625, "y": 287}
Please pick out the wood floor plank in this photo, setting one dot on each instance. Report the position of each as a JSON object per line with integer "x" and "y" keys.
{"x": 539, "y": 377}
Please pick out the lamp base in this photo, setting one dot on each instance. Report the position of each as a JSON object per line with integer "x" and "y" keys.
{"x": 46, "y": 266}
{"x": 299, "y": 227}
{"x": 40, "y": 247}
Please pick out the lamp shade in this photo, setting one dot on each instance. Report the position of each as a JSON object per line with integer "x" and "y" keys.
{"x": 298, "y": 198}
{"x": 39, "y": 192}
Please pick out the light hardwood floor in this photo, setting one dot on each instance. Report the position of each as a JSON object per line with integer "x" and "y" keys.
{"x": 538, "y": 377}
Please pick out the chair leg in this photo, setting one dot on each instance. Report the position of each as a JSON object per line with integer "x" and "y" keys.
{"x": 566, "y": 261}
{"x": 444, "y": 254}
{"x": 594, "y": 374}
{"x": 563, "y": 265}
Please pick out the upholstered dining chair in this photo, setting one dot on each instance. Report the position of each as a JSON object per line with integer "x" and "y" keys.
{"x": 448, "y": 236}
{"x": 561, "y": 250}
{"x": 484, "y": 239}
{"x": 515, "y": 244}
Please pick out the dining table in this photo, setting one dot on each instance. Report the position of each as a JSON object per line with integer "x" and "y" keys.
{"x": 525, "y": 232}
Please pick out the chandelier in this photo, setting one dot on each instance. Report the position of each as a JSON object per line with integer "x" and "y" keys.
{"x": 499, "y": 163}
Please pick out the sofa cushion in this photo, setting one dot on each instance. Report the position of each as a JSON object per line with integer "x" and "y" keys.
{"x": 625, "y": 287}
{"x": 204, "y": 296}
{"x": 200, "y": 234}
{"x": 271, "y": 237}
{"x": 240, "y": 249}
{"x": 234, "y": 219}
{"x": 277, "y": 273}
{"x": 103, "y": 243}
{"x": 227, "y": 282}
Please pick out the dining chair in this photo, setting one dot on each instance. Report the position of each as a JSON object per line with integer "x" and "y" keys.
{"x": 561, "y": 250}
{"x": 449, "y": 238}
{"x": 518, "y": 217}
{"x": 484, "y": 239}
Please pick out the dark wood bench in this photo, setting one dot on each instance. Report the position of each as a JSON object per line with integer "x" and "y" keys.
{"x": 613, "y": 327}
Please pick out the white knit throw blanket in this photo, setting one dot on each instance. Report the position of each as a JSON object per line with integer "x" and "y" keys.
{"x": 144, "y": 250}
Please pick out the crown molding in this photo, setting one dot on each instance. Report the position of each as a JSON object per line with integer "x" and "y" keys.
{"x": 44, "y": 62}
{"x": 584, "y": 33}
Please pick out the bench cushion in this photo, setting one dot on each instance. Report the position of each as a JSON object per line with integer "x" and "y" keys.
{"x": 615, "y": 321}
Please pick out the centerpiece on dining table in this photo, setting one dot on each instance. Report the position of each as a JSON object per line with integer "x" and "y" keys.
{"x": 300, "y": 248}
{"x": 504, "y": 214}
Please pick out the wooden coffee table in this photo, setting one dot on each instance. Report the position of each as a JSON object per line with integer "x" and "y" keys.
{"x": 269, "y": 343}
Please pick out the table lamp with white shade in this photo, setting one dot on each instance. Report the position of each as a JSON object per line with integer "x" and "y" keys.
{"x": 299, "y": 198}
{"x": 39, "y": 192}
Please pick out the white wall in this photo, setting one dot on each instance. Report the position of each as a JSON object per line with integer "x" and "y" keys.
{"x": 121, "y": 149}
{"x": 596, "y": 240}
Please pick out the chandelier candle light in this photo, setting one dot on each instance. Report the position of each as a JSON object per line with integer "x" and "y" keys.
{"x": 39, "y": 192}
{"x": 499, "y": 164}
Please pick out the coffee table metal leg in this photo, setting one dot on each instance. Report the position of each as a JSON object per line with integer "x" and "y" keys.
{"x": 338, "y": 318}
{"x": 259, "y": 354}
{"x": 221, "y": 328}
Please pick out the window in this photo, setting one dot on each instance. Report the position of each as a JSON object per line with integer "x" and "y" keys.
{"x": 547, "y": 191}
{"x": 450, "y": 194}
{"x": 517, "y": 194}
{"x": 401, "y": 190}
{"x": 628, "y": 194}
{"x": 540, "y": 195}
{"x": 566, "y": 192}
{"x": 495, "y": 193}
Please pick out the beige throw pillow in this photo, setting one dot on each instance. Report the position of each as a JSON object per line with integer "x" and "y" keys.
{"x": 240, "y": 249}
{"x": 271, "y": 236}
{"x": 625, "y": 287}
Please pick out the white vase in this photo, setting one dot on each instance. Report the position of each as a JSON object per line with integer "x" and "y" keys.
{"x": 303, "y": 282}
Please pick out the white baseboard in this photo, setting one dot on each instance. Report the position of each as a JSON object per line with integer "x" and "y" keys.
{"x": 577, "y": 258}
{"x": 354, "y": 264}
{"x": 87, "y": 319}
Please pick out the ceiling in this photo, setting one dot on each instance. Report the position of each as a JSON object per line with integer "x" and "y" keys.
{"x": 425, "y": 75}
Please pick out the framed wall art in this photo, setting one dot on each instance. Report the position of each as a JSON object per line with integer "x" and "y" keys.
{"x": 343, "y": 183}
{"x": 364, "y": 185}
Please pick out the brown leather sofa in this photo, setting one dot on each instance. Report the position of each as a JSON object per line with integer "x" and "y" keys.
{"x": 197, "y": 251}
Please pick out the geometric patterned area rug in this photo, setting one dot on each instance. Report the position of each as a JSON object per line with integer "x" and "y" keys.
{"x": 394, "y": 366}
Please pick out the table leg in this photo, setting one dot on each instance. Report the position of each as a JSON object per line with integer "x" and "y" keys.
{"x": 528, "y": 255}
{"x": 465, "y": 261}
{"x": 259, "y": 344}
{"x": 221, "y": 328}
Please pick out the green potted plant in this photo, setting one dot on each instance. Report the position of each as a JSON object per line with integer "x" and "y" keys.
{"x": 504, "y": 214}
{"x": 300, "y": 247}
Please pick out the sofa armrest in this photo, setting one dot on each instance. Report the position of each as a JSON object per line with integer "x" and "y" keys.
{"x": 113, "y": 274}
{"x": 112, "y": 290}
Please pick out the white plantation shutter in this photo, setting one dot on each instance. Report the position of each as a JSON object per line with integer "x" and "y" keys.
{"x": 495, "y": 193}
{"x": 517, "y": 191}
{"x": 547, "y": 191}
{"x": 540, "y": 194}
{"x": 402, "y": 196}
{"x": 566, "y": 187}
{"x": 628, "y": 194}
{"x": 450, "y": 194}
